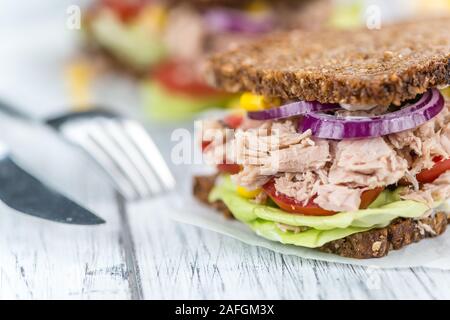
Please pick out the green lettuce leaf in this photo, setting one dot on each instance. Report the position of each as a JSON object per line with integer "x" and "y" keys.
{"x": 169, "y": 106}
{"x": 263, "y": 219}
{"x": 130, "y": 43}
{"x": 311, "y": 238}
{"x": 347, "y": 15}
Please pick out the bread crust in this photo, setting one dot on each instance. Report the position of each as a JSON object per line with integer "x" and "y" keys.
{"x": 375, "y": 243}
{"x": 364, "y": 66}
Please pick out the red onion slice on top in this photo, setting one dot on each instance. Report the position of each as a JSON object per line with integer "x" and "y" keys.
{"x": 232, "y": 20}
{"x": 292, "y": 109}
{"x": 337, "y": 128}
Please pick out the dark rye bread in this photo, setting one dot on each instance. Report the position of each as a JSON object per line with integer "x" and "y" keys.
{"x": 363, "y": 66}
{"x": 201, "y": 189}
{"x": 374, "y": 243}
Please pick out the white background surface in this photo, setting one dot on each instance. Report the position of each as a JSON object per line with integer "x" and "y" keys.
{"x": 139, "y": 253}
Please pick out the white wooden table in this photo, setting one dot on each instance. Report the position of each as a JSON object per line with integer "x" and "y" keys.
{"x": 140, "y": 253}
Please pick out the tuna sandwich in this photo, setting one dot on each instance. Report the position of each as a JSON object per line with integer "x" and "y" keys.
{"x": 345, "y": 144}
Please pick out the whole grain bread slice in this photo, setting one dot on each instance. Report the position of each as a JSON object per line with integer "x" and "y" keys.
{"x": 363, "y": 66}
{"x": 375, "y": 243}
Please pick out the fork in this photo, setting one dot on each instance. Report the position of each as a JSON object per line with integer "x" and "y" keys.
{"x": 122, "y": 147}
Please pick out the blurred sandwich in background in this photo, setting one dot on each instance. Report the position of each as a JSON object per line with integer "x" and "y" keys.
{"x": 165, "y": 41}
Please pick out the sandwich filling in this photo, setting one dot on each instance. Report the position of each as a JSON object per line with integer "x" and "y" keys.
{"x": 309, "y": 173}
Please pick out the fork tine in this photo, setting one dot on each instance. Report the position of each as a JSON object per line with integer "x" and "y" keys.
{"x": 99, "y": 135}
{"x": 148, "y": 149}
{"x": 80, "y": 137}
{"x": 117, "y": 132}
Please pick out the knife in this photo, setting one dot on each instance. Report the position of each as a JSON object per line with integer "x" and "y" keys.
{"x": 23, "y": 192}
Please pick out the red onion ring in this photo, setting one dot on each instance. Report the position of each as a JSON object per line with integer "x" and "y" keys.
{"x": 337, "y": 128}
{"x": 232, "y": 20}
{"x": 291, "y": 109}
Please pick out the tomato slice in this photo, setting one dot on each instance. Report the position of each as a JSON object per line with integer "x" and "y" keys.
{"x": 205, "y": 144}
{"x": 125, "y": 9}
{"x": 229, "y": 168}
{"x": 180, "y": 76}
{"x": 429, "y": 175}
{"x": 291, "y": 205}
{"x": 233, "y": 121}
{"x": 369, "y": 196}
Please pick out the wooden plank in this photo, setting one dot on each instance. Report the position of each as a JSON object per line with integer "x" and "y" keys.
{"x": 45, "y": 260}
{"x": 185, "y": 262}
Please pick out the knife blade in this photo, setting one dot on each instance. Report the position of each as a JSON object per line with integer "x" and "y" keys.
{"x": 25, "y": 193}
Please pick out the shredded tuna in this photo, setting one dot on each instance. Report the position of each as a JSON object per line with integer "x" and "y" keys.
{"x": 445, "y": 138}
{"x": 338, "y": 198}
{"x": 184, "y": 30}
{"x": 425, "y": 228}
{"x": 300, "y": 186}
{"x": 261, "y": 198}
{"x": 305, "y": 186}
{"x": 265, "y": 152}
{"x": 419, "y": 146}
{"x": 250, "y": 177}
{"x": 412, "y": 179}
{"x": 297, "y": 158}
{"x": 285, "y": 228}
{"x": 220, "y": 149}
{"x": 407, "y": 139}
{"x": 366, "y": 163}
{"x": 255, "y": 146}
{"x": 439, "y": 190}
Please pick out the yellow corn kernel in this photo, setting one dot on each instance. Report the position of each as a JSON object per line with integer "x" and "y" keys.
{"x": 246, "y": 193}
{"x": 446, "y": 92}
{"x": 79, "y": 77}
{"x": 253, "y": 102}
